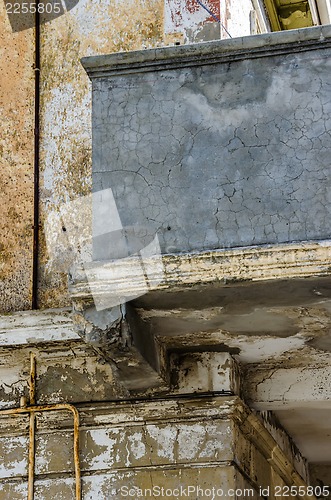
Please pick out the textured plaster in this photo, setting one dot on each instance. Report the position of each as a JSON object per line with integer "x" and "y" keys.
{"x": 203, "y": 372}
{"x": 68, "y": 371}
{"x": 320, "y": 474}
{"x": 191, "y": 21}
{"x": 194, "y": 24}
{"x": 16, "y": 165}
{"x": 121, "y": 443}
{"x": 309, "y": 426}
{"x": 282, "y": 386}
{"x": 90, "y": 27}
{"x": 236, "y": 18}
{"x": 299, "y": 397}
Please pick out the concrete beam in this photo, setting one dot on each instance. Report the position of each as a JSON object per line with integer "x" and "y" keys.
{"x": 170, "y": 441}
{"x": 281, "y": 388}
{"x": 109, "y": 333}
{"x": 194, "y": 372}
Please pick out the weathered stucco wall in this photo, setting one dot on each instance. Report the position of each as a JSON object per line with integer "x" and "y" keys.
{"x": 67, "y": 369}
{"x": 182, "y": 438}
{"x": 231, "y": 153}
{"x": 16, "y": 164}
{"x": 187, "y": 21}
{"x": 169, "y": 442}
{"x": 91, "y": 27}
{"x": 235, "y": 17}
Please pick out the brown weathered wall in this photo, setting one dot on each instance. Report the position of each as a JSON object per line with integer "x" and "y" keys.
{"x": 16, "y": 164}
{"x": 91, "y": 27}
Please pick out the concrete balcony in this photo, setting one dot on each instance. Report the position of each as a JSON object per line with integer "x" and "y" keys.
{"x": 223, "y": 151}
{"x": 218, "y": 145}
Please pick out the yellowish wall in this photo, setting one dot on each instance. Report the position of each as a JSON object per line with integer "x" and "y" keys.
{"x": 91, "y": 27}
{"x": 16, "y": 164}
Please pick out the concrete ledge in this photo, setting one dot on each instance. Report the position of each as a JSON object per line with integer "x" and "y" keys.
{"x": 36, "y": 327}
{"x": 267, "y": 262}
{"x": 208, "y": 53}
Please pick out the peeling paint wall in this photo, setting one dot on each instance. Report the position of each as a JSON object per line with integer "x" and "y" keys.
{"x": 320, "y": 475}
{"x": 16, "y": 164}
{"x": 187, "y": 21}
{"x": 177, "y": 439}
{"x": 89, "y": 27}
{"x": 170, "y": 444}
{"x": 237, "y": 18}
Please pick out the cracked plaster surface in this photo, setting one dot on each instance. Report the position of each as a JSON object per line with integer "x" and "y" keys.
{"x": 220, "y": 155}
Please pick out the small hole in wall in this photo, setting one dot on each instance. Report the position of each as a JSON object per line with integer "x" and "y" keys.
{"x": 64, "y": 229}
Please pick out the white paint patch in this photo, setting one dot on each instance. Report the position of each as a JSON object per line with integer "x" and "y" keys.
{"x": 205, "y": 113}
{"x": 9, "y": 446}
{"x": 102, "y": 438}
{"x": 103, "y": 486}
{"x": 138, "y": 448}
{"x": 165, "y": 438}
{"x": 88, "y": 15}
{"x": 236, "y": 16}
{"x": 262, "y": 349}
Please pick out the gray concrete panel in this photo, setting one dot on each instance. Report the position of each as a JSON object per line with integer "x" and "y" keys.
{"x": 224, "y": 154}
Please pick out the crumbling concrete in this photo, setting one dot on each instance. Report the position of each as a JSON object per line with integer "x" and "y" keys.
{"x": 192, "y": 439}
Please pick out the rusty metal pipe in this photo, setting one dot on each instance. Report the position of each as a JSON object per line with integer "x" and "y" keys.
{"x": 31, "y": 410}
{"x": 32, "y": 427}
{"x": 36, "y": 173}
{"x": 32, "y": 382}
{"x": 56, "y": 407}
